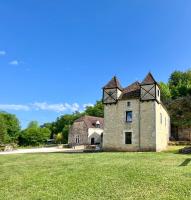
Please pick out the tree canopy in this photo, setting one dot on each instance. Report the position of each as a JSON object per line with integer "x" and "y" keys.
{"x": 34, "y": 135}
{"x": 180, "y": 84}
{"x": 9, "y": 127}
{"x": 176, "y": 94}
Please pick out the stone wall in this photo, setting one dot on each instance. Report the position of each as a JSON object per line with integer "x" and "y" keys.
{"x": 147, "y": 133}
{"x": 162, "y": 127}
{"x": 115, "y": 126}
{"x": 78, "y": 129}
{"x": 147, "y": 126}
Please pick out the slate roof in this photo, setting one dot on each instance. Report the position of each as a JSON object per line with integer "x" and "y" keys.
{"x": 132, "y": 91}
{"x": 113, "y": 83}
{"x": 149, "y": 79}
{"x": 90, "y": 121}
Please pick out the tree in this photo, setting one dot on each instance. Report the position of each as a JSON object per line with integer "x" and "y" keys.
{"x": 180, "y": 84}
{"x": 97, "y": 110}
{"x": 180, "y": 111}
{"x": 34, "y": 135}
{"x": 65, "y": 133}
{"x": 12, "y": 126}
{"x": 59, "y": 138}
{"x": 165, "y": 92}
{"x": 3, "y": 129}
{"x": 33, "y": 124}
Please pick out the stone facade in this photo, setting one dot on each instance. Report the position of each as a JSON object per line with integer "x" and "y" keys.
{"x": 149, "y": 126}
{"x": 85, "y": 131}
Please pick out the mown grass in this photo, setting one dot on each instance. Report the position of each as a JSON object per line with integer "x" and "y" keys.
{"x": 95, "y": 176}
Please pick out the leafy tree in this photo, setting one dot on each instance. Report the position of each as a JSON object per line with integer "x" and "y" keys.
{"x": 59, "y": 138}
{"x": 97, "y": 110}
{"x": 3, "y": 129}
{"x": 165, "y": 92}
{"x": 180, "y": 84}
{"x": 33, "y": 124}
{"x": 180, "y": 111}
{"x": 65, "y": 133}
{"x": 66, "y": 120}
{"x": 12, "y": 126}
{"x": 34, "y": 135}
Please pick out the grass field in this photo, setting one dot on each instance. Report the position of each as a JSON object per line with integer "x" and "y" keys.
{"x": 95, "y": 176}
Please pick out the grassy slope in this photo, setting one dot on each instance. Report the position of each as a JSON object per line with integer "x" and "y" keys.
{"x": 95, "y": 176}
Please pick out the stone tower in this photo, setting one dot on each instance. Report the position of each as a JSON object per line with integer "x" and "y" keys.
{"x": 134, "y": 117}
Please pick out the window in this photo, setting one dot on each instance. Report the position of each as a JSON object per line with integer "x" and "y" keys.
{"x": 161, "y": 118}
{"x": 158, "y": 93}
{"x": 128, "y": 103}
{"x": 128, "y": 116}
{"x": 77, "y": 139}
{"x": 128, "y": 138}
{"x": 97, "y": 125}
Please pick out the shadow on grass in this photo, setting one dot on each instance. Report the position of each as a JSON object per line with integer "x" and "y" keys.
{"x": 185, "y": 163}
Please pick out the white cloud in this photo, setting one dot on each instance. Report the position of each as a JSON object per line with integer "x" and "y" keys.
{"x": 55, "y": 107}
{"x": 44, "y": 106}
{"x": 2, "y": 53}
{"x": 14, "y": 62}
{"x": 14, "y": 107}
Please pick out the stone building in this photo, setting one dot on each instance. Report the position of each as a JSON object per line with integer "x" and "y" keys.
{"x": 86, "y": 130}
{"x": 134, "y": 117}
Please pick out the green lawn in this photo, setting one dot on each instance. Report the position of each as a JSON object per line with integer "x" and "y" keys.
{"x": 95, "y": 176}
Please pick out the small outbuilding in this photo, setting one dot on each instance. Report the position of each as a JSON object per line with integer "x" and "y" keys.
{"x": 87, "y": 130}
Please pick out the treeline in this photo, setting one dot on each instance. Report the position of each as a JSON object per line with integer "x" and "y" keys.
{"x": 34, "y": 134}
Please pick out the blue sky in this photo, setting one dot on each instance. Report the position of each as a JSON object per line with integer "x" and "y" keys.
{"x": 55, "y": 56}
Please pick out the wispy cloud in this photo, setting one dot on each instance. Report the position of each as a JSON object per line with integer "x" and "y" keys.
{"x": 14, "y": 107}
{"x": 44, "y": 106}
{"x": 2, "y": 53}
{"x": 14, "y": 62}
{"x": 55, "y": 107}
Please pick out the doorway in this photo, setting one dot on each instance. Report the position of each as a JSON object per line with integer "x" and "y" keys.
{"x": 92, "y": 141}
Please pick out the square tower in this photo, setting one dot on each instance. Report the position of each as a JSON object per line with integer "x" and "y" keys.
{"x": 134, "y": 117}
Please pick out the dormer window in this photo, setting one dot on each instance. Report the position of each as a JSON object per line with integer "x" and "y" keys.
{"x": 97, "y": 125}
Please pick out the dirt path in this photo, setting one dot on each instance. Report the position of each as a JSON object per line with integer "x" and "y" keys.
{"x": 41, "y": 150}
